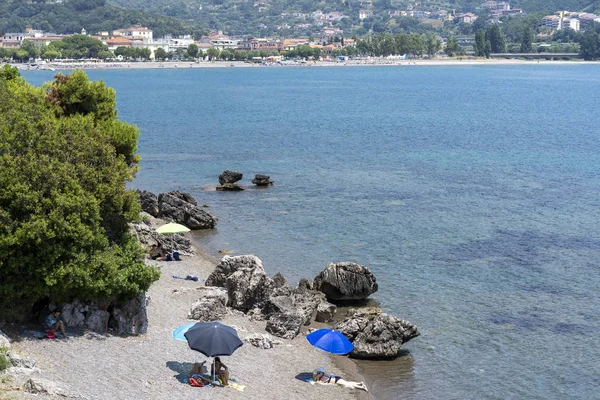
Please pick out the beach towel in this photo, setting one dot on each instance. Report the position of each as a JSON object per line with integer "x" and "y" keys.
{"x": 236, "y": 386}
{"x": 187, "y": 278}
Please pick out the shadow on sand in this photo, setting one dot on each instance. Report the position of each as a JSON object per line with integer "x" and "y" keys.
{"x": 304, "y": 376}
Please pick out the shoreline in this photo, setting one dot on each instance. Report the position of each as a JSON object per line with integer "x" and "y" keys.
{"x": 154, "y": 65}
{"x": 152, "y": 365}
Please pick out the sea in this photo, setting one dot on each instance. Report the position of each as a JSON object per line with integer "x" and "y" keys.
{"x": 471, "y": 192}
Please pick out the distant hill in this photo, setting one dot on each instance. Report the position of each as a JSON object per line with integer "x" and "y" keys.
{"x": 288, "y": 17}
{"x": 72, "y": 15}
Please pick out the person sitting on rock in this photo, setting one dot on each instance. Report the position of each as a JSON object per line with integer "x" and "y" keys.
{"x": 321, "y": 377}
{"x": 220, "y": 370}
{"x": 52, "y": 324}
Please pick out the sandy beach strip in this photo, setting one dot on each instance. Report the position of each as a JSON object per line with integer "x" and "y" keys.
{"x": 293, "y": 64}
{"x": 153, "y": 366}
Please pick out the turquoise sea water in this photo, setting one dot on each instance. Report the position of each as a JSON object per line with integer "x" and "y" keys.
{"x": 471, "y": 192}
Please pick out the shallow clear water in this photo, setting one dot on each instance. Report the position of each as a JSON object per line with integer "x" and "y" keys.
{"x": 471, "y": 192}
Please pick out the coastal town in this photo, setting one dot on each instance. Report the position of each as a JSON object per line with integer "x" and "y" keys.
{"x": 139, "y": 42}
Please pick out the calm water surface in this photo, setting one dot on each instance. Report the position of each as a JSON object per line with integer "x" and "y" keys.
{"x": 471, "y": 192}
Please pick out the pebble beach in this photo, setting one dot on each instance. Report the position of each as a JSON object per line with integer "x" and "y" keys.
{"x": 154, "y": 365}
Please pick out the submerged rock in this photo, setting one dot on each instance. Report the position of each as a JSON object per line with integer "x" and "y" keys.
{"x": 346, "y": 281}
{"x": 230, "y": 187}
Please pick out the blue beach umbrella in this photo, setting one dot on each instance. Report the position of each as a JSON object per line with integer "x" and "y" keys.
{"x": 180, "y": 332}
{"x": 330, "y": 341}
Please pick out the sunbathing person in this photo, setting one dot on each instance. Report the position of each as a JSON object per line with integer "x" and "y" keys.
{"x": 329, "y": 379}
{"x": 220, "y": 370}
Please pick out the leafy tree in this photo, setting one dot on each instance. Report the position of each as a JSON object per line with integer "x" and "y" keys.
{"x": 29, "y": 47}
{"x": 212, "y": 53}
{"x": 452, "y": 46}
{"x": 496, "y": 39}
{"x": 526, "y": 42}
{"x": 160, "y": 54}
{"x": 64, "y": 208}
{"x": 105, "y": 55}
{"x": 432, "y": 44}
{"x": 50, "y": 55}
{"x": 193, "y": 50}
{"x": 22, "y": 55}
{"x": 480, "y": 43}
{"x": 143, "y": 53}
{"x": 78, "y": 46}
{"x": 590, "y": 45}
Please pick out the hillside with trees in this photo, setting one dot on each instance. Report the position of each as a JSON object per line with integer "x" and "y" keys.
{"x": 73, "y": 15}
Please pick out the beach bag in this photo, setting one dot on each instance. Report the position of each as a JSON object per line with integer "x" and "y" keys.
{"x": 50, "y": 335}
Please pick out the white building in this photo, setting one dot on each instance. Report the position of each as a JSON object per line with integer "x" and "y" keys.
{"x": 134, "y": 33}
{"x": 364, "y": 14}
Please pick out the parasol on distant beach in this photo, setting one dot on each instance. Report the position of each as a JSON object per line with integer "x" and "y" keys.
{"x": 172, "y": 228}
{"x": 213, "y": 339}
{"x": 330, "y": 341}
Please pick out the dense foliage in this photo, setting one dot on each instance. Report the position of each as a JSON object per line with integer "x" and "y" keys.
{"x": 64, "y": 208}
{"x": 73, "y": 15}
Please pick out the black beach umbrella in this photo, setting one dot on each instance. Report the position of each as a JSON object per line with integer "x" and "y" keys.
{"x": 213, "y": 339}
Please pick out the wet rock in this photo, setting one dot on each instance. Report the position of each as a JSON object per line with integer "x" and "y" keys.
{"x": 325, "y": 312}
{"x": 262, "y": 180}
{"x": 211, "y": 306}
{"x": 286, "y": 326}
{"x": 230, "y": 187}
{"x": 346, "y": 281}
{"x": 230, "y": 177}
{"x": 149, "y": 202}
{"x": 381, "y": 337}
{"x": 228, "y": 265}
{"x": 182, "y": 208}
{"x": 131, "y": 317}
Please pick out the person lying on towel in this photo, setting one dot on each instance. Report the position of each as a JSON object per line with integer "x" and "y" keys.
{"x": 320, "y": 376}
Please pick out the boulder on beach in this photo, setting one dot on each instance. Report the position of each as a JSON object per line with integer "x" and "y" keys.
{"x": 130, "y": 317}
{"x": 182, "y": 208}
{"x": 285, "y": 326}
{"x": 230, "y": 264}
{"x": 346, "y": 281}
{"x": 248, "y": 288}
{"x": 147, "y": 236}
{"x": 230, "y": 177}
{"x": 380, "y": 337}
{"x": 211, "y": 306}
{"x": 149, "y": 202}
{"x": 325, "y": 312}
{"x": 262, "y": 180}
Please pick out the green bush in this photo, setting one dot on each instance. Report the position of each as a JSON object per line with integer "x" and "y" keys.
{"x": 64, "y": 207}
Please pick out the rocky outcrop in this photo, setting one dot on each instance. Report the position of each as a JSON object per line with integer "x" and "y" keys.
{"x": 182, "y": 208}
{"x": 262, "y": 180}
{"x": 130, "y": 317}
{"x": 148, "y": 237}
{"x": 346, "y": 281}
{"x": 380, "y": 337}
{"x": 325, "y": 312}
{"x": 211, "y": 306}
{"x": 149, "y": 202}
{"x": 230, "y": 177}
{"x": 78, "y": 315}
{"x": 305, "y": 284}
{"x": 286, "y": 326}
{"x": 279, "y": 280}
{"x": 248, "y": 288}
{"x": 230, "y": 264}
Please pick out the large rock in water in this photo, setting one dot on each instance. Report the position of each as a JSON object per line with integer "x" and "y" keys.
{"x": 230, "y": 177}
{"x": 181, "y": 207}
{"x": 211, "y": 306}
{"x": 229, "y": 265}
{"x": 346, "y": 281}
{"x": 381, "y": 337}
{"x": 262, "y": 180}
{"x": 149, "y": 202}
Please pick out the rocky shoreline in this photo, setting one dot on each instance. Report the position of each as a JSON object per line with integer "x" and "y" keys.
{"x": 138, "y": 357}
